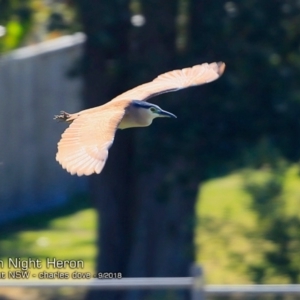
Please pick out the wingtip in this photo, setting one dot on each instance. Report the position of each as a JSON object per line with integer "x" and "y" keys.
{"x": 221, "y": 67}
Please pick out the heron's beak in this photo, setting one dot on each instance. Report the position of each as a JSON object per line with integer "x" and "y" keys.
{"x": 166, "y": 114}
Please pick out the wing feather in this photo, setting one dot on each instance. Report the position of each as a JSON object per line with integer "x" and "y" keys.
{"x": 175, "y": 80}
{"x": 83, "y": 148}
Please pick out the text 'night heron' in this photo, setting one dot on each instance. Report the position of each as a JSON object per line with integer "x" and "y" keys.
{"x": 83, "y": 148}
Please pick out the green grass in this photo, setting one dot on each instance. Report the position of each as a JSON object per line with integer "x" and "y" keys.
{"x": 68, "y": 233}
{"x": 225, "y": 239}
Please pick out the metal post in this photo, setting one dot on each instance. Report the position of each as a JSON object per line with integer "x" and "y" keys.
{"x": 197, "y": 292}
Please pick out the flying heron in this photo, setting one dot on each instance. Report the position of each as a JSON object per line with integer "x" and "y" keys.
{"x": 83, "y": 148}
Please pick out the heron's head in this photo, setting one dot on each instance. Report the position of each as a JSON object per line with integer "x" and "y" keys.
{"x": 141, "y": 114}
{"x": 151, "y": 111}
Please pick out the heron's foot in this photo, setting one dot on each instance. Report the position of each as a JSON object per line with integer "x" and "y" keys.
{"x": 62, "y": 117}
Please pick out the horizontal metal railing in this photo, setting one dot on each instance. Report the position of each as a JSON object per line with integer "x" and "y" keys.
{"x": 252, "y": 289}
{"x": 194, "y": 283}
{"x": 122, "y": 284}
{"x": 156, "y": 283}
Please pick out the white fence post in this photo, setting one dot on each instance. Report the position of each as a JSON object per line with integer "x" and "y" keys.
{"x": 197, "y": 290}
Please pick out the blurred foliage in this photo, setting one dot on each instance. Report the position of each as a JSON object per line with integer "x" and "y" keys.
{"x": 32, "y": 21}
{"x": 277, "y": 226}
{"x": 261, "y": 98}
{"x": 257, "y": 98}
{"x": 238, "y": 241}
{"x": 15, "y": 17}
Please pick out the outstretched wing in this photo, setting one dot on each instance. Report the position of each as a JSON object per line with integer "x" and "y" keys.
{"x": 83, "y": 148}
{"x": 174, "y": 81}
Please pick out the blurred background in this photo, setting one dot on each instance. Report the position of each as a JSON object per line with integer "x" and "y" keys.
{"x": 219, "y": 185}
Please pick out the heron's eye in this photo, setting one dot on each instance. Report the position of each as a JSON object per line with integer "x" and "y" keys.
{"x": 153, "y": 109}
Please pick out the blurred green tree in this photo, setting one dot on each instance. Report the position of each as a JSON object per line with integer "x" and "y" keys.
{"x": 276, "y": 225}
{"x": 15, "y": 19}
{"x": 28, "y": 22}
{"x": 258, "y": 100}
